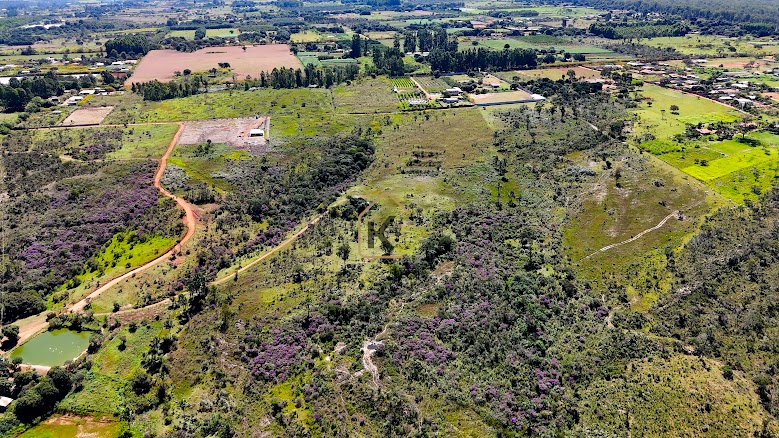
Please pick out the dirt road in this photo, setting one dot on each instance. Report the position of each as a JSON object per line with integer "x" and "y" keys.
{"x": 189, "y": 220}
{"x": 32, "y": 325}
{"x": 269, "y": 253}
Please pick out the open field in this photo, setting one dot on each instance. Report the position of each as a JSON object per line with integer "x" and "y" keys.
{"x": 210, "y": 33}
{"x": 727, "y": 165}
{"x": 714, "y": 45}
{"x": 87, "y": 115}
{"x": 71, "y": 426}
{"x": 658, "y": 120}
{"x": 551, "y": 73}
{"x": 162, "y": 64}
{"x": 365, "y": 96}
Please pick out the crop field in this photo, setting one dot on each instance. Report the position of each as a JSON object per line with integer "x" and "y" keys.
{"x": 365, "y": 97}
{"x": 403, "y": 84}
{"x": 162, "y": 64}
{"x": 431, "y": 84}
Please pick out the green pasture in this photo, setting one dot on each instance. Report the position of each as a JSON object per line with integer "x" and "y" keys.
{"x": 210, "y": 33}
{"x": 71, "y": 426}
{"x": 727, "y": 165}
{"x": 713, "y": 45}
{"x": 149, "y": 141}
{"x": 658, "y": 120}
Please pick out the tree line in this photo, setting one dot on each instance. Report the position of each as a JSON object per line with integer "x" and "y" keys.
{"x": 156, "y": 90}
{"x": 310, "y": 75}
{"x": 18, "y": 93}
{"x": 481, "y": 58}
{"x": 137, "y": 45}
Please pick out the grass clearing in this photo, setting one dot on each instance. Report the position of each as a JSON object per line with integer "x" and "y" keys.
{"x": 70, "y": 426}
{"x": 658, "y": 120}
{"x": 365, "y": 96}
{"x": 725, "y": 166}
{"x": 148, "y": 141}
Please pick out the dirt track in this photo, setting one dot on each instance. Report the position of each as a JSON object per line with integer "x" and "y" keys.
{"x": 189, "y": 220}
{"x": 38, "y": 322}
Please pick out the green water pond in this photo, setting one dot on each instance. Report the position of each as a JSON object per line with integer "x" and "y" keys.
{"x": 52, "y": 348}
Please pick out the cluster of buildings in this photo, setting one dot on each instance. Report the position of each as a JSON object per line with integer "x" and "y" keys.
{"x": 736, "y": 88}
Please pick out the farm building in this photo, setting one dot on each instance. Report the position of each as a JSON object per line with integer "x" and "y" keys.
{"x": 4, "y": 402}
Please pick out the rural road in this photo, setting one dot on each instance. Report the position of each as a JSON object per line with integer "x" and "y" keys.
{"x": 38, "y": 322}
{"x": 269, "y": 253}
{"x": 189, "y": 220}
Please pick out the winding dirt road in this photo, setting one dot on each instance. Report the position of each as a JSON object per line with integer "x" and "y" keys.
{"x": 189, "y": 220}
{"x": 36, "y": 323}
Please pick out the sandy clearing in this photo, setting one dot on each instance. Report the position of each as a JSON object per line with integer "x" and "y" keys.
{"x": 87, "y": 116}
{"x": 162, "y": 64}
{"x": 505, "y": 96}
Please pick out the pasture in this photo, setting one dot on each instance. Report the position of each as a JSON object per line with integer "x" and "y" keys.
{"x": 715, "y": 45}
{"x": 657, "y": 119}
{"x": 162, "y": 65}
{"x": 70, "y": 426}
{"x": 210, "y": 33}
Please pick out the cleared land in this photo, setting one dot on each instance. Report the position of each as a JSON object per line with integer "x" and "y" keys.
{"x": 496, "y": 98}
{"x": 74, "y": 426}
{"x": 87, "y": 116}
{"x": 163, "y": 64}
{"x": 234, "y": 132}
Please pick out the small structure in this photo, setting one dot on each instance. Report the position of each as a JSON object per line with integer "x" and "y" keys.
{"x": 4, "y": 402}
{"x": 455, "y": 91}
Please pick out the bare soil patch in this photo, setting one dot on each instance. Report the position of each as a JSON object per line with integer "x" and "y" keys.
{"x": 234, "y": 132}
{"x": 506, "y": 96}
{"x": 162, "y": 64}
{"x": 88, "y": 116}
{"x": 772, "y": 96}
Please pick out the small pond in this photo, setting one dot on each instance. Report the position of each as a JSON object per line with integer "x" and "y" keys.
{"x": 53, "y": 348}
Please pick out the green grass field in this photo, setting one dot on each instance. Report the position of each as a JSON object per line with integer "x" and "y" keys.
{"x": 724, "y": 166}
{"x": 72, "y": 426}
{"x": 117, "y": 258}
{"x": 149, "y": 141}
{"x": 734, "y": 169}
{"x": 210, "y": 33}
{"x": 713, "y": 45}
{"x": 658, "y": 120}
{"x": 365, "y": 96}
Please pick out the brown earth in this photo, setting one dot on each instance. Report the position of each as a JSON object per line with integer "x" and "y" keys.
{"x": 87, "y": 115}
{"x": 162, "y": 64}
